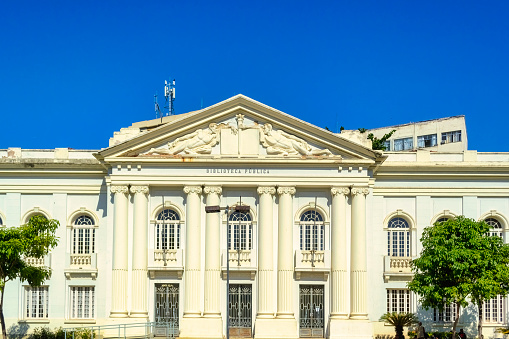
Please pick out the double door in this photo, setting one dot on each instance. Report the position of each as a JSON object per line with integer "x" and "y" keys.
{"x": 167, "y": 310}
{"x": 240, "y": 310}
{"x": 311, "y": 312}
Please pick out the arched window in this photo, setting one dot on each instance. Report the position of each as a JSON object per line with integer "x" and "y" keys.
{"x": 167, "y": 230}
{"x": 312, "y": 231}
{"x": 442, "y": 219}
{"x": 241, "y": 231}
{"x": 398, "y": 238}
{"x": 83, "y": 235}
{"x": 495, "y": 226}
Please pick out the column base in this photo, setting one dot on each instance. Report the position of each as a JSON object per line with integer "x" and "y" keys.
{"x": 203, "y": 328}
{"x": 118, "y": 314}
{"x": 138, "y": 314}
{"x": 276, "y": 328}
{"x": 344, "y": 329}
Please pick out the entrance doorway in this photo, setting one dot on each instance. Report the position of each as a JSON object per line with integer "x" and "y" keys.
{"x": 240, "y": 308}
{"x": 311, "y": 320}
{"x": 167, "y": 310}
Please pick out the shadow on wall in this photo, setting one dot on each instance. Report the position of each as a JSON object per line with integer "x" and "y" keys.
{"x": 467, "y": 321}
{"x": 18, "y": 331}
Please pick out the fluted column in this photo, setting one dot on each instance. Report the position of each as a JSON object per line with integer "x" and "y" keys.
{"x": 265, "y": 253}
{"x": 139, "y": 308}
{"x": 339, "y": 265}
{"x": 285, "y": 253}
{"x": 119, "y": 274}
{"x": 212, "y": 254}
{"x": 193, "y": 252}
{"x": 358, "y": 287}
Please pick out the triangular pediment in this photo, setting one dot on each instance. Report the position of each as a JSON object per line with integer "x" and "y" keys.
{"x": 239, "y": 127}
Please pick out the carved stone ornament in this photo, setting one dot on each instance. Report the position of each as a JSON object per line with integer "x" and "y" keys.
{"x": 286, "y": 190}
{"x": 281, "y": 143}
{"x": 340, "y": 190}
{"x": 266, "y": 190}
{"x": 139, "y": 189}
{"x": 213, "y": 190}
{"x": 119, "y": 189}
{"x": 360, "y": 190}
{"x": 192, "y": 189}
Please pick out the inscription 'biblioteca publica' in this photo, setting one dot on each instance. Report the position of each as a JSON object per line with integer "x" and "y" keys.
{"x": 237, "y": 171}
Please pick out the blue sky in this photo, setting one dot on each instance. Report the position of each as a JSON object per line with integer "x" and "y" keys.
{"x": 73, "y": 72}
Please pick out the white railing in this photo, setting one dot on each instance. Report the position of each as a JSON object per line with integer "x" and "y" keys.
{"x": 38, "y": 262}
{"x": 81, "y": 260}
{"x": 307, "y": 260}
{"x": 165, "y": 256}
{"x": 400, "y": 264}
{"x": 165, "y": 259}
{"x": 239, "y": 257}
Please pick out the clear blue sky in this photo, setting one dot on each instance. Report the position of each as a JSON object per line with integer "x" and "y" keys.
{"x": 73, "y": 72}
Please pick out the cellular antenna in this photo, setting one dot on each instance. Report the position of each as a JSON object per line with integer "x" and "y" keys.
{"x": 169, "y": 95}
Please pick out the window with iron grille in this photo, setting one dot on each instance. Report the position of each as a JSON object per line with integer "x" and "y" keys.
{"x": 493, "y": 310}
{"x": 312, "y": 231}
{"x": 398, "y": 238}
{"x": 398, "y": 300}
{"x": 403, "y": 144}
{"x": 36, "y": 302}
{"x": 448, "y": 137}
{"x": 83, "y": 235}
{"x": 167, "y": 230}
{"x": 82, "y": 301}
{"x": 241, "y": 231}
{"x": 448, "y": 314}
{"x": 429, "y": 140}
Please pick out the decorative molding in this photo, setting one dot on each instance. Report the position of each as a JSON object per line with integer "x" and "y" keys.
{"x": 360, "y": 190}
{"x": 213, "y": 190}
{"x": 192, "y": 189}
{"x": 266, "y": 190}
{"x": 286, "y": 190}
{"x": 119, "y": 189}
{"x": 340, "y": 190}
{"x": 139, "y": 189}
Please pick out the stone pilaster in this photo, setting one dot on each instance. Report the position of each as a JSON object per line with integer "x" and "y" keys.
{"x": 339, "y": 265}
{"x": 139, "y": 307}
{"x": 119, "y": 274}
{"x": 358, "y": 287}
{"x": 265, "y": 253}
{"x": 212, "y": 254}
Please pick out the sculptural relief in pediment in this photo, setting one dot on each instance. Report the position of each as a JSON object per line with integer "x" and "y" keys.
{"x": 252, "y": 139}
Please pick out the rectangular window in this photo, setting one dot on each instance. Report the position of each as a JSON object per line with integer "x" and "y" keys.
{"x": 493, "y": 310}
{"x": 448, "y": 137}
{"x": 429, "y": 140}
{"x": 387, "y": 145}
{"x": 83, "y": 241}
{"x": 448, "y": 314}
{"x": 82, "y": 301}
{"x": 403, "y": 144}
{"x": 36, "y": 302}
{"x": 398, "y": 300}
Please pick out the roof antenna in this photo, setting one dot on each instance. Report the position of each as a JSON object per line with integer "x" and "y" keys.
{"x": 169, "y": 95}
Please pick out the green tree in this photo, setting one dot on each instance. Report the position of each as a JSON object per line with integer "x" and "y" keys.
{"x": 34, "y": 239}
{"x": 460, "y": 260}
{"x": 399, "y": 321}
{"x": 379, "y": 144}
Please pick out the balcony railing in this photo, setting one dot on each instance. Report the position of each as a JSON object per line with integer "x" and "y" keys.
{"x": 81, "y": 263}
{"x": 397, "y": 267}
{"x": 165, "y": 260}
{"x": 240, "y": 261}
{"x": 39, "y": 262}
{"x": 312, "y": 261}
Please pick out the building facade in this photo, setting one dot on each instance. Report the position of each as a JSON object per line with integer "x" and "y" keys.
{"x": 318, "y": 235}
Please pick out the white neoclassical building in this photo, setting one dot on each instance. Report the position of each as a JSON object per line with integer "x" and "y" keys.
{"x": 321, "y": 248}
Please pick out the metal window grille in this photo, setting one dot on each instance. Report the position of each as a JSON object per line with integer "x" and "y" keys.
{"x": 398, "y": 300}
{"x": 494, "y": 310}
{"x": 82, "y": 302}
{"x": 312, "y": 231}
{"x": 495, "y": 227}
{"x": 398, "y": 238}
{"x": 241, "y": 231}
{"x": 36, "y": 302}
{"x": 448, "y": 314}
{"x": 167, "y": 230}
{"x": 83, "y": 235}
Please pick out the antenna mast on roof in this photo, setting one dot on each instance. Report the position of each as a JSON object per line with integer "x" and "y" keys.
{"x": 169, "y": 95}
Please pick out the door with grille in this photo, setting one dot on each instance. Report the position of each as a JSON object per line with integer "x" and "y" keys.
{"x": 167, "y": 310}
{"x": 240, "y": 310}
{"x": 311, "y": 311}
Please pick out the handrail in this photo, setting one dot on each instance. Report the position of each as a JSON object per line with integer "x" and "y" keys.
{"x": 122, "y": 330}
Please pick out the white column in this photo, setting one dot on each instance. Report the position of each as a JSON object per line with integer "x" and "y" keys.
{"x": 265, "y": 253}
{"x": 212, "y": 254}
{"x": 285, "y": 253}
{"x": 139, "y": 307}
{"x": 339, "y": 265}
{"x": 193, "y": 252}
{"x": 119, "y": 276}
{"x": 358, "y": 287}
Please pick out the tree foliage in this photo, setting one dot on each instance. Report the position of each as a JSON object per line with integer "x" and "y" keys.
{"x": 379, "y": 144}
{"x": 34, "y": 239}
{"x": 459, "y": 262}
{"x": 399, "y": 321}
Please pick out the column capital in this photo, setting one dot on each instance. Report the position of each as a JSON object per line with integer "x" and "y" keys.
{"x": 286, "y": 190}
{"x": 360, "y": 190}
{"x": 119, "y": 189}
{"x": 266, "y": 190}
{"x": 139, "y": 189}
{"x": 340, "y": 190}
{"x": 192, "y": 189}
{"x": 213, "y": 190}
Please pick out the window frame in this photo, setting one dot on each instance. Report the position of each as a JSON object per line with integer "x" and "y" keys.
{"x": 432, "y": 138}
{"x": 28, "y": 299}
{"x": 451, "y": 137}
{"x": 406, "y": 144}
{"x": 83, "y": 236}
{"x": 73, "y": 308}
{"x": 173, "y": 229}
{"x": 241, "y": 231}
{"x": 398, "y": 300}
